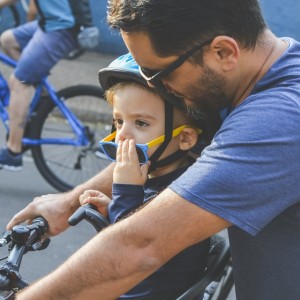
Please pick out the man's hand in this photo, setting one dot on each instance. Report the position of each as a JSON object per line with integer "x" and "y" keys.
{"x": 57, "y": 208}
{"x": 53, "y": 207}
{"x": 128, "y": 169}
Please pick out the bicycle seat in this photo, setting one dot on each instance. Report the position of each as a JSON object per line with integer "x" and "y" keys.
{"x": 219, "y": 258}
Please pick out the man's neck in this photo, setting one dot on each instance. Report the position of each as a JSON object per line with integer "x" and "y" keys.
{"x": 255, "y": 63}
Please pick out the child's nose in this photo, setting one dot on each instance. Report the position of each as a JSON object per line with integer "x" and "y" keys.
{"x": 124, "y": 133}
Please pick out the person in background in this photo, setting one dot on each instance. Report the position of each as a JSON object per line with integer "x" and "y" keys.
{"x": 32, "y": 11}
{"x": 37, "y": 46}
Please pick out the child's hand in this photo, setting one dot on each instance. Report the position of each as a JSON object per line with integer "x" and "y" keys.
{"x": 96, "y": 198}
{"x": 128, "y": 169}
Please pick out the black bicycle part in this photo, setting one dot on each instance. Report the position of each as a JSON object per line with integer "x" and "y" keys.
{"x": 217, "y": 281}
{"x": 30, "y": 122}
{"x": 7, "y": 295}
{"x": 21, "y": 239}
{"x": 66, "y": 166}
{"x": 89, "y": 213}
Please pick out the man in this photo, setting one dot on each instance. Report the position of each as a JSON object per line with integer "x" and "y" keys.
{"x": 38, "y": 46}
{"x": 213, "y": 54}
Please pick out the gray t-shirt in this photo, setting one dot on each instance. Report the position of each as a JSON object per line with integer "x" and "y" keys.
{"x": 250, "y": 176}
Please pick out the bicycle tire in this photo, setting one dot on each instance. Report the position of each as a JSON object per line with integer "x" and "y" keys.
{"x": 66, "y": 166}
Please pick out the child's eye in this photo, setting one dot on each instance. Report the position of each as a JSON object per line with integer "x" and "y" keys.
{"x": 118, "y": 122}
{"x": 141, "y": 123}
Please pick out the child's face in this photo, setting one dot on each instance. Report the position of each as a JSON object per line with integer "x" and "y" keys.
{"x": 139, "y": 115}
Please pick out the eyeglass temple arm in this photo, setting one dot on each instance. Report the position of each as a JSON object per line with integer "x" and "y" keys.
{"x": 110, "y": 137}
{"x": 158, "y": 140}
{"x": 175, "y": 133}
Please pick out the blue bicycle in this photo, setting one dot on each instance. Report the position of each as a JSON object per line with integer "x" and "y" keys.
{"x": 63, "y": 130}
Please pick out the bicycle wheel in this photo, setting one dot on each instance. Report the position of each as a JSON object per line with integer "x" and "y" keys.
{"x": 65, "y": 166}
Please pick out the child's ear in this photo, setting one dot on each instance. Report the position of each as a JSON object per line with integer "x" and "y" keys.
{"x": 188, "y": 138}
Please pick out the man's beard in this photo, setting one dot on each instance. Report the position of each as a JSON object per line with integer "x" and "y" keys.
{"x": 207, "y": 94}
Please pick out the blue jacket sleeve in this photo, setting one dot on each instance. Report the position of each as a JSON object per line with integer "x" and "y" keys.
{"x": 125, "y": 199}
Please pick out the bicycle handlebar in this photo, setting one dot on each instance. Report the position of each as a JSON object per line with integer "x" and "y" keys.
{"x": 89, "y": 213}
{"x": 20, "y": 240}
{"x": 28, "y": 238}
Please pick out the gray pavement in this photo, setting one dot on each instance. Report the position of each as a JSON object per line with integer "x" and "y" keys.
{"x": 17, "y": 189}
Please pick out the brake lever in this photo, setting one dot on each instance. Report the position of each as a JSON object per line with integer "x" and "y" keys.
{"x": 89, "y": 213}
{"x": 5, "y": 238}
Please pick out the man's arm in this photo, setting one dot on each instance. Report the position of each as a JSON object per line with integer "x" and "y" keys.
{"x": 124, "y": 254}
{"x": 57, "y": 208}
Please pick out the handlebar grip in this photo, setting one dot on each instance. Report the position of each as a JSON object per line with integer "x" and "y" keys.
{"x": 4, "y": 282}
{"x": 90, "y": 214}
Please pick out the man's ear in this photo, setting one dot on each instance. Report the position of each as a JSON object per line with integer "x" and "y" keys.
{"x": 226, "y": 51}
{"x": 188, "y": 138}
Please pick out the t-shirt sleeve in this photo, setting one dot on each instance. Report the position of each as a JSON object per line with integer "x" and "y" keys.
{"x": 251, "y": 171}
{"x": 125, "y": 199}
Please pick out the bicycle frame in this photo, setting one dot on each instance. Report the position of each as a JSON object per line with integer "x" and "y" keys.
{"x": 44, "y": 84}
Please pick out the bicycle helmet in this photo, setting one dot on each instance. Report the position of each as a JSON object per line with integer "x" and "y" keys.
{"x": 125, "y": 68}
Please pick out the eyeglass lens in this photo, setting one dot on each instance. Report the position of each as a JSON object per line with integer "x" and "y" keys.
{"x": 111, "y": 151}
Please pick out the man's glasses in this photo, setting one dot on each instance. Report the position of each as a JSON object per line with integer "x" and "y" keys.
{"x": 109, "y": 148}
{"x": 154, "y": 76}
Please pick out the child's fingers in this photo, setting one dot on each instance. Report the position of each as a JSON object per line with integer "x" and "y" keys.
{"x": 125, "y": 149}
{"x": 132, "y": 154}
{"x": 94, "y": 200}
{"x": 119, "y": 152}
{"x": 100, "y": 205}
{"x": 87, "y": 194}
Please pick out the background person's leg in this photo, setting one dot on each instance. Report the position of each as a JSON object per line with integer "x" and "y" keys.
{"x": 40, "y": 54}
{"x": 10, "y": 45}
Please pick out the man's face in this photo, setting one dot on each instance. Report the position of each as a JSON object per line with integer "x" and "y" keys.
{"x": 200, "y": 86}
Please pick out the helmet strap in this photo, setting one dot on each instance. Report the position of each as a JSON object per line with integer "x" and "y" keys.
{"x": 170, "y": 159}
{"x": 168, "y": 136}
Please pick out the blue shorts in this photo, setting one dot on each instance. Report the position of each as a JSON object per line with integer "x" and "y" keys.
{"x": 40, "y": 50}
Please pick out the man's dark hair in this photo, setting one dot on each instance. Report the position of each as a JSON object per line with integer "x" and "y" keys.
{"x": 175, "y": 26}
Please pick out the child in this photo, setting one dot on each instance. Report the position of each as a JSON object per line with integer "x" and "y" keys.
{"x": 140, "y": 116}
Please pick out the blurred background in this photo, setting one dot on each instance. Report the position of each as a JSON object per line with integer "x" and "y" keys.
{"x": 282, "y": 18}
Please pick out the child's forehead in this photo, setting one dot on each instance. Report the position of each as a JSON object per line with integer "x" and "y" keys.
{"x": 137, "y": 95}
{"x": 135, "y": 107}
